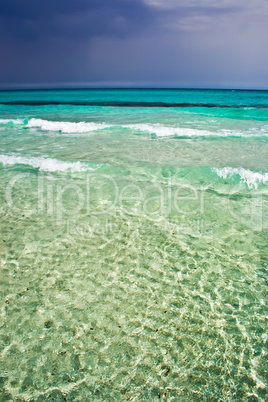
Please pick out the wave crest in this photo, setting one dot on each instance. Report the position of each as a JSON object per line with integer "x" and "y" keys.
{"x": 5, "y": 122}
{"x": 47, "y": 164}
{"x": 66, "y": 127}
{"x": 252, "y": 179}
{"x": 167, "y": 131}
{"x": 157, "y": 129}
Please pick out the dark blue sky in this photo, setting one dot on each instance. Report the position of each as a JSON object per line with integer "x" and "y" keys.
{"x": 173, "y": 43}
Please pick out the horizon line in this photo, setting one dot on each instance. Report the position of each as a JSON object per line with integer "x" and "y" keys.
{"x": 66, "y": 88}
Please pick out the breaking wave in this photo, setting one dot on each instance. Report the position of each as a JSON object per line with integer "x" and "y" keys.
{"x": 47, "y": 164}
{"x": 57, "y": 126}
{"x": 5, "y": 122}
{"x": 155, "y": 129}
{"x": 66, "y": 127}
{"x": 252, "y": 179}
{"x": 169, "y": 131}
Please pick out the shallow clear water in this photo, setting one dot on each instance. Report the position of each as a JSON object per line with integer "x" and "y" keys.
{"x": 133, "y": 249}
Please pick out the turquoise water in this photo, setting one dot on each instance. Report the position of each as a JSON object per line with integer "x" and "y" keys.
{"x": 133, "y": 246}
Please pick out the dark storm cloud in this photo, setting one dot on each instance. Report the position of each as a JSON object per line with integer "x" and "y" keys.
{"x": 181, "y": 42}
{"x": 31, "y": 19}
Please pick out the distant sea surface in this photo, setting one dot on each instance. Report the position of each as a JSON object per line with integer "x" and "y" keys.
{"x": 133, "y": 246}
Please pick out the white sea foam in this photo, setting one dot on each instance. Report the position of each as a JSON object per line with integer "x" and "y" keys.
{"x": 13, "y": 121}
{"x": 166, "y": 131}
{"x": 157, "y": 129}
{"x": 66, "y": 126}
{"x": 252, "y": 179}
{"x": 46, "y": 164}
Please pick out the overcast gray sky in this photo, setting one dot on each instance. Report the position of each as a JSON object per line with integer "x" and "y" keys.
{"x": 173, "y": 43}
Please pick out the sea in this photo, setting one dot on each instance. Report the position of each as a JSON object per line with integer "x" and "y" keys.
{"x": 133, "y": 245}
